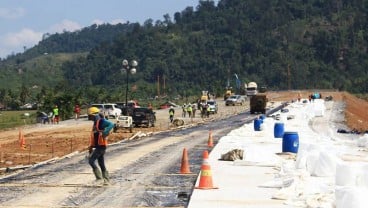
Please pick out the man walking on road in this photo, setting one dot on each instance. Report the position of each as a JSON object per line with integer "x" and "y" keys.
{"x": 100, "y": 130}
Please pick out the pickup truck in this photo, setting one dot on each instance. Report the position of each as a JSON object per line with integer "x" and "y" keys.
{"x": 143, "y": 116}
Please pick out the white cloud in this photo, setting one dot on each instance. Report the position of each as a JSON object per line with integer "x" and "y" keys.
{"x": 98, "y": 22}
{"x": 112, "y": 22}
{"x": 117, "y": 21}
{"x": 24, "y": 37}
{"x": 14, "y": 13}
{"x": 65, "y": 25}
{"x": 14, "y": 42}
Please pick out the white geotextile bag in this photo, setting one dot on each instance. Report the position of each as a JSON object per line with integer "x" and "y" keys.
{"x": 317, "y": 162}
{"x": 325, "y": 165}
{"x": 351, "y": 197}
{"x": 346, "y": 174}
{"x": 363, "y": 141}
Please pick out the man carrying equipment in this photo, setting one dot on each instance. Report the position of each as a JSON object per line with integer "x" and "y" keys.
{"x": 100, "y": 130}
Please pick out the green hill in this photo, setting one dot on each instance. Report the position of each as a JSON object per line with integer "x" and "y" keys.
{"x": 281, "y": 44}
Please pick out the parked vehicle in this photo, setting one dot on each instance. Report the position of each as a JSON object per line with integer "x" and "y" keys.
{"x": 143, "y": 116}
{"x": 42, "y": 117}
{"x": 108, "y": 109}
{"x": 212, "y": 104}
{"x": 124, "y": 122}
{"x": 235, "y": 100}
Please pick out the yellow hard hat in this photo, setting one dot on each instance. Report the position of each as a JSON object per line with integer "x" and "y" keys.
{"x": 93, "y": 110}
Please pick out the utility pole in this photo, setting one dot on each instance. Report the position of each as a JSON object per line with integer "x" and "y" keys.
{"x": 288, "y": 77}
{"x": 164, "y": 91}
{"x": 158, "y": 86}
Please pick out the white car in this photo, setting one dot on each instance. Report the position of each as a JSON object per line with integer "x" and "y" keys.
{"x": 212, "y": 104}
{"x": 108, "y": 109}
{"x": 235, "y": 100}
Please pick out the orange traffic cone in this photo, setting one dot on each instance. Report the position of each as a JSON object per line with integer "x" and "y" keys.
{"x": 210, "y": 140}
{"x": 185, "y": 163}
{"x": 22, "y": 141}
{"x": 205, "y": 180}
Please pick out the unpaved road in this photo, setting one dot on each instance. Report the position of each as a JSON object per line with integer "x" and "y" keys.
{"x": 144, "y": 172}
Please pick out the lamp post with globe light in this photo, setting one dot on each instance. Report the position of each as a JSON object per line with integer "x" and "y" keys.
{"x": 128, "y": 68}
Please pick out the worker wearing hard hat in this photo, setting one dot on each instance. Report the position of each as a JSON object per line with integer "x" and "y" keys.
{"x": 100, "y": 130}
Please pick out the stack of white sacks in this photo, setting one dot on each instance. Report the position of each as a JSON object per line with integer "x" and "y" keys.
{"x": 335, "y": 169}
{"x": 329, "y": 171}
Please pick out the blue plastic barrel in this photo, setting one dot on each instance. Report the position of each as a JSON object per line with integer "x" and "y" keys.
{"x": 290, "y": 142}
{"x": 278, "y": 130}
{"x": 257, "y": 124}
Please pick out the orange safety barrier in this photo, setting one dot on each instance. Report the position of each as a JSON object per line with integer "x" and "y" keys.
{"x": 210, "y": 140}
{"x": 205, "y": 180}
{"x": 22, "y": 140}
{"x": 185, "y": 163}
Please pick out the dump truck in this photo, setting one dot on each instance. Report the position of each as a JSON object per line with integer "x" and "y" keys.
{"x": 258, "y": 103}
{"x": 252, "y": 89}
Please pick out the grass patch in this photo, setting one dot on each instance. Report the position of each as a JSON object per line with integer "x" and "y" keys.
{"x": 11, "y": 119}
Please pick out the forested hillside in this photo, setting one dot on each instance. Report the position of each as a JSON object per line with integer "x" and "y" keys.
{"x": 281, "y": 44}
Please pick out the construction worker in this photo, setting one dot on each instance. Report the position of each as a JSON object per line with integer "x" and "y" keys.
{"x": 171, "y": 114}
{"x": 184, "y": 108}
{"x": 100, "y": 130}
{"x": 77, "y": 111}
{"x": 189, "y": 110}
{"x": 55, "y": 112}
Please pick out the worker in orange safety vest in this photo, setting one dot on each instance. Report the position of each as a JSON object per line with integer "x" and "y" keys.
{"x": 100, "y": 130}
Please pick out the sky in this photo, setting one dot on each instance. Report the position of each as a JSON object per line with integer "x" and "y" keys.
{"x": 23, "y": 22}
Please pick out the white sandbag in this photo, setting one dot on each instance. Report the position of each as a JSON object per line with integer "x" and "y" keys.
{"x": 325, "y": 165}
{"x": 351, "y": 197}
{"x": 305, "y": 151}
{"x": 311, "y": 161}
{"x": 301, "y": 160}
{"x": 362, "y": 141}
{"x": 319, "y": 108}
{"x": 362, "y": 176}
{"x": 346, "y": 174}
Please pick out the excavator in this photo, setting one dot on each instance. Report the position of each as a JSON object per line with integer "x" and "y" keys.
{"x": 229, "y": 90}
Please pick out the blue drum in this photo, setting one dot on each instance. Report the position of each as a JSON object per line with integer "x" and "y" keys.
{"x": 278, "y": 130}
{"x": 257, "y": 124}
{"x": 290, "y": 142}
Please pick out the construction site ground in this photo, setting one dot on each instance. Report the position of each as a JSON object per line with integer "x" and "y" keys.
{"x": 47, "y": 141}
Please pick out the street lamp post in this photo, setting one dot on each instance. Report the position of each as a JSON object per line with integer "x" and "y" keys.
{"x": 128, "y": 68}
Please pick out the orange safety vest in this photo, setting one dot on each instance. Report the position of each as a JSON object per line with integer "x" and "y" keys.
{"x": 96, "y": 136}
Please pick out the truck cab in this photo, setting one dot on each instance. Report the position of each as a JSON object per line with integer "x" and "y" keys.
{"x": 252, "y": 89}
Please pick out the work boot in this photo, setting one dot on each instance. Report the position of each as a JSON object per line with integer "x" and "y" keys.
{"x": 106, "y": 178}
{"x": 97, "y": 173}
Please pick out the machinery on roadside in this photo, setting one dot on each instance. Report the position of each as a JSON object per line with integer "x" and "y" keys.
{"x": 258, "y": 103}
{"x": 124, "y": 122}
{"x": 204, "y": 96}
{"x": 229, "y": 92}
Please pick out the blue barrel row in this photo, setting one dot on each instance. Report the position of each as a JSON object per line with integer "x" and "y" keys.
{"x": 290, "y": 140}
